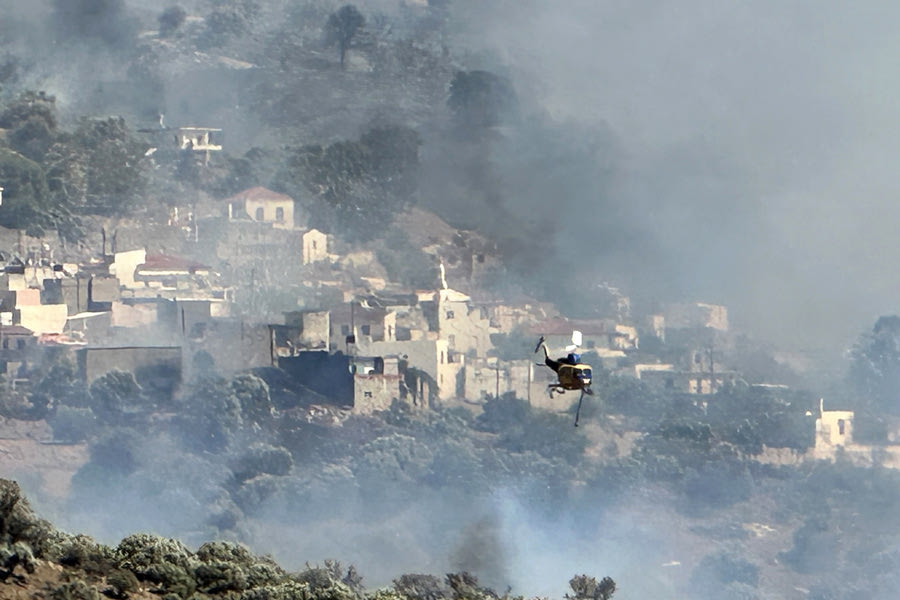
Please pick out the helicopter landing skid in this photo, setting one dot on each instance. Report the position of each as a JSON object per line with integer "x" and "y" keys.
{"x": 554, "y": 388}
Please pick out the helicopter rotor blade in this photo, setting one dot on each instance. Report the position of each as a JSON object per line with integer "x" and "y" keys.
{"x": 576, "y": 338}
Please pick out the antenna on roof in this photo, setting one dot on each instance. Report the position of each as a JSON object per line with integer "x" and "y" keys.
{"x": 444, "y": 285}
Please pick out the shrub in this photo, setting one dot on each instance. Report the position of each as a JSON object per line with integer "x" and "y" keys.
{"x": 82, "y": 552}
{"x": 140, "y": 551}
{"x": 74, "y": 590}
{"x": 18, "y": 522}
{"x": 121, "y": 583}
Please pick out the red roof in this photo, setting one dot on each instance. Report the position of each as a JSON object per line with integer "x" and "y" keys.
{"x": 259, "y": 193}
{"x": 164, "y": 262}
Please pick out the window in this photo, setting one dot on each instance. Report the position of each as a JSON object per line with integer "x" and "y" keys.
{"x": 6, "y": 344}
{"x": 345, "y": 330}
{"x": 442, "y": 357}
{"x": 366, "y": 329}
{"x": 450, "y": 314}
{"x": 20, "y": 344}
{"x": 367, "y": 394}
{"x": 314, "y": 245}
{"x": 840, "y": 427}
{"x": 259, "y": 214}
{"x": 279, "y": 214}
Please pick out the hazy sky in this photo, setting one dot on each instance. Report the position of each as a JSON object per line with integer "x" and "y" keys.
{"x": 758, "y": 138}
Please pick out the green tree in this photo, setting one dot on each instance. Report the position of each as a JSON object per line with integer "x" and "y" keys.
{"x": 253, "y": 394}
{"x": 342, "y": 27}
{"x": 230, "y": 19}
{"x": 481, "y": 99}
{"x": 875, "y": 365}
{"x": 211, "y": 415}
{"x": 588, "y": 588}
{"x": 30, "y": 121}
{"x": 113, "y": 162}
{"x": 60, "y": 385}
{"x": 114, "y": 394}
{"x": 362, "y": 183}
{"x": 26, "y": 197}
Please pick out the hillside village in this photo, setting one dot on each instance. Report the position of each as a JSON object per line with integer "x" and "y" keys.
{"x": 181, "y": 305}
{"x": 187, "y": 290}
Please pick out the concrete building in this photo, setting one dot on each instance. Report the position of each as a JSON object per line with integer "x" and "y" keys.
{"x": 834, "y": 429}
{"x": 696, "y": 315}
{"x": 490, "y": 376}
{"x": 377, "y": 383}
{"x": 263, "y": 206}
{"x": 596, "y": 334}
{"x": 315, "y": 246}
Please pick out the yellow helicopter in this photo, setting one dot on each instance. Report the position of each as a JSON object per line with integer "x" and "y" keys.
{"x": 571, "y": 373}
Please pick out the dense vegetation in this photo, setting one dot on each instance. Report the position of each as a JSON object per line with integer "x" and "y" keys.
{"x": 166, "y": 568}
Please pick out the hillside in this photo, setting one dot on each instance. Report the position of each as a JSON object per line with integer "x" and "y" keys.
{"x": 39, "y": 561}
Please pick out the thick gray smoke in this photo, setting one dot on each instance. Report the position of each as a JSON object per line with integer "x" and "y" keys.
{"x": 755, "y": 145}
{"x": 737, "y": 153}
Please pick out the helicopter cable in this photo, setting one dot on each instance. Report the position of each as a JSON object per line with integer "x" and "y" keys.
{"x": 578, "y": 411}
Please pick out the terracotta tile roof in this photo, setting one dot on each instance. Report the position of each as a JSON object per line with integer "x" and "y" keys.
{"x": 258, "y": 193}
{"x": 164, "y": 262}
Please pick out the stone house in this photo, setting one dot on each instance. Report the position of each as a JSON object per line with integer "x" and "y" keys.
{"x": 432, "y": 357}
{"x": 490, "y": 376}
{"x": 696, "y": 315}
{"x": 377, "y": 382}
{"x": 262, "y": 206}
{"x": 315, "y": 246}
{"x": 596, "y": 334}
{"x": 312, "y": 331}
{"x": 360, "y": 323}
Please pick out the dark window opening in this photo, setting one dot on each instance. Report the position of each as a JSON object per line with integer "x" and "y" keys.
{"x": 279, "y": 214}
{"x": 259, "y": 214}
